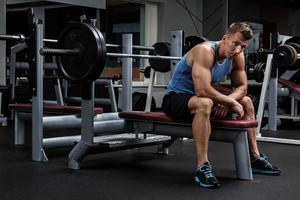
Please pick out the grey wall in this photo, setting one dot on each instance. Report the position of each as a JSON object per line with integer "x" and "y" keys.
{"x": 215, "y": 16}
{"x": 172, "y": 16}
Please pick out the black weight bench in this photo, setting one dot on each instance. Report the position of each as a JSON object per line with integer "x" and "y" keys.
{"x": 232, "y": 131}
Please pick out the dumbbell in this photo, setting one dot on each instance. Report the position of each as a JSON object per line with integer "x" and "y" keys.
{"x": 287, "y": 56}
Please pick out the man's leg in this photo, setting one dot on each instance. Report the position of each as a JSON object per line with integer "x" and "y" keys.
{"x": 246, "y": 102}
{"x": 259, "y": 163}
{"x": 201, "y": 108}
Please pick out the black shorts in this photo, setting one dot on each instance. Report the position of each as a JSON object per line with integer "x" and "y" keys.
{"x": 176, "y": 106}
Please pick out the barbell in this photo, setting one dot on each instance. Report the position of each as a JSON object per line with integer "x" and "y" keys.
{"x": 81, "y": 53}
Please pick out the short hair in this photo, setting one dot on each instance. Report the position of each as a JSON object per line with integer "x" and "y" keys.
{"x": 241, "y": 27}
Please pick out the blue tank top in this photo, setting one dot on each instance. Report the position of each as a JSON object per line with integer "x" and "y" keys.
{"x": 182, "y": 82}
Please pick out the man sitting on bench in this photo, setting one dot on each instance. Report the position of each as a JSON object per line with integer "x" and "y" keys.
{"x": 190, "y": 96}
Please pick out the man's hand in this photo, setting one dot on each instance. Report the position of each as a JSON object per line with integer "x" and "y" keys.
{"x": 238, "y": 108}
{"x": 221, "y": 111}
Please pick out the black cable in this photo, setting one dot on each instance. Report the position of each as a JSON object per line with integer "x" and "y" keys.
{"x": 187, "y": 9}
{"x": 205, "y": 35}
{"x": 213, "y": 12}
{"x": 190, "y": 14}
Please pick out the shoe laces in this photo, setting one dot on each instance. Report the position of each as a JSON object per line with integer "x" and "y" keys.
{"x": 207, "y": 171}
{"x": 266, "y": 162}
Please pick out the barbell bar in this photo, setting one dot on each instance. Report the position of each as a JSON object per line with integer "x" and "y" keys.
{"x": 19, "y": 37}
{"x": 76, "y": 52}
{"x": 60, "y": 52}
{"x": 121, "y": 55}
{"x": 139, "y": 47}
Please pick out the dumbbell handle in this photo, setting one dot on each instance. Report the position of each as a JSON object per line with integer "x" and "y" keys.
{"x": 18, "y": 38}
{"x": 262, "y": 50}
{"x": 59, "y": 52}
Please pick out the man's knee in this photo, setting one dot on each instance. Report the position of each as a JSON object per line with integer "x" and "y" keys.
{"x": 246, "y": 102}
{"x": 204, "y": 106}
{"x": 248, "y": 106}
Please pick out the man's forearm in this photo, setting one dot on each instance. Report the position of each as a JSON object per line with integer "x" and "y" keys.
{"x": 238, "y": 93}
{"x": 216, "y": 96}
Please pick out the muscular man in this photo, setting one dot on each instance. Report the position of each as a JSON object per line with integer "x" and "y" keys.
{"x": 190, "y": 96}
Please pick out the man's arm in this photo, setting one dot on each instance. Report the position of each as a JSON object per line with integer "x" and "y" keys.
{"x": 203, "y": 58}
{"x": 238, "y": 78}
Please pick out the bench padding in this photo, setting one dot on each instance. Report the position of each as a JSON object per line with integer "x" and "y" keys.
{"x": 163, "y": 118}
{"x": 293, "y": 86}
{"x": 52, "y": 109}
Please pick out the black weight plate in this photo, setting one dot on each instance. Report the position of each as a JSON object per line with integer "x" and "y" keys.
{"x": 259, "y": 71}
{"x": 293, "y": 40}
{"x": 102, "y": 43}
{"x": 192, "y": 41}
{"x": 89, "y": 65}
{"x": 161, "y": 49}
{"x": 147, "y": 72}
{"x": 282, "y": 56}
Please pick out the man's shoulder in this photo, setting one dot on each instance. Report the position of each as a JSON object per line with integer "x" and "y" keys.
{"x": 204, "y": 47}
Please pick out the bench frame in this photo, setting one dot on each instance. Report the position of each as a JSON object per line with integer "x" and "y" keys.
{"x": 236, "y": 136}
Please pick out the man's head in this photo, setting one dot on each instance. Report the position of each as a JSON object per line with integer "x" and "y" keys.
{"x": 236, "y": 38}
{"x": 242, "y": 28}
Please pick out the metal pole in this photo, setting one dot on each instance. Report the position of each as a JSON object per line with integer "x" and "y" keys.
{"x": 263, "y": 93}
{"x": 12, "y": 70}
{"x": 130, "y": 55}
{"x": 143, "y": 48}
{"x": 127, "y": 73}
{"x": 2, "y": 47}
{"x": 272, "y": 105}
{"x": 38, "y": 153}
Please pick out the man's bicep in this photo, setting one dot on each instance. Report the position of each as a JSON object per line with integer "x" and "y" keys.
{"x": 238, "y": 74}
{"x": 238, "y": 77}
{"x": 201, "y": 77}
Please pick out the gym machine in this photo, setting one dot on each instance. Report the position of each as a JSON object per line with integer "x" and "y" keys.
{"x": 285, "y": 56}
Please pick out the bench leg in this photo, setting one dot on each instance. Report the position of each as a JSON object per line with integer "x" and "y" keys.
{"x": 77, "y": 154}
{"x": 19, "y": 129}
{"x": 242, "y": 157}
{"x": 163, "y": 149}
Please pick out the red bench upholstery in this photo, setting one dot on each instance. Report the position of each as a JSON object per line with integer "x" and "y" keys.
{"x": 52, "y": 109}
{"x": 163, "y": 118}
{"x": 290, "y": 84}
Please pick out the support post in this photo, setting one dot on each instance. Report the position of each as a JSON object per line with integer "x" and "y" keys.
{"x": 38, "y": 153}
{"x": 2, "y": 47}
{"x": 127, "y": 73}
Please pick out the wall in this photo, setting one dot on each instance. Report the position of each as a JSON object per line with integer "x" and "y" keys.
{"x": 284, "y": 16}
{"x": 294, "y": 22}
{"x": 215, "y": 18}
{"x": 172, "y": 16}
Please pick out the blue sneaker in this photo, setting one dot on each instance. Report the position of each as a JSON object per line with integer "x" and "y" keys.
{"x": 205, "y": 177}
{"x": 262, "y": 166}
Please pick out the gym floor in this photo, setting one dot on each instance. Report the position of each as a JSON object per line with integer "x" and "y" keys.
{"x": 143, "y": 174}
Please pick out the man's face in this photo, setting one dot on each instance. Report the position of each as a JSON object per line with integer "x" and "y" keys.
{"x": 234, "y": 44}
